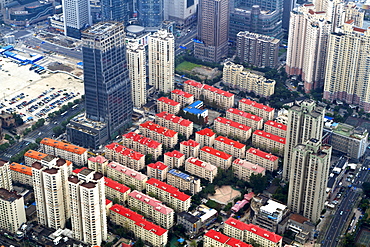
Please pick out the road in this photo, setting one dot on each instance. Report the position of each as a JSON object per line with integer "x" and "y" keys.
{"x": 186, "y": 41}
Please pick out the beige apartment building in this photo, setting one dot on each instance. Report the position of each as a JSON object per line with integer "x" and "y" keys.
{"x": 5, "y": 175}
{"x": 201, "y": 168}
{"x": 168, "y": 105}
{"x": 194, "y": 88}
{"x": 20, "y": 173}
{"x": 157, "y": 170}
{"x": 253, "y": 121}
{"x": 31, "y": 156}
{"x": 190, "y": 148}
{"x": 126, "y": 176}
{"x": 244, "y": 169}
{"x": 261, "y": 158}
{"x": 268, "y": 142}
{"x": 114, "y": 189}
{"x": 13, "y": 213}
{"x": 216, "y": 157}
{"x": 98, "y": 163}
{"x": 205, "y": 137}
{"x": 174, "y": 159}
{"x": 173, "y": 122}
{"x": 142, "y": 144}
{"x": 183, "y": 181}
{"x": 230, "y": 146}
{"x": 124, "y": 155}
{"x": 182, "y": 97}
{"x": 167, "y": 137}
{"x": 229, "y": 127}
{"x": 275, "y": 128}
{"x": 216, "y": 238}
{"x": 264, "y": 111}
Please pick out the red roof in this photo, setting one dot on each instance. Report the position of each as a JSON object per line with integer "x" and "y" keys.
{"x": 190, "y": 143}
{"x": 218, "y": 91}
{"x": 357, "y": 29}
{"x": 194, "y": 83}
{"x": 125, "y": 151}
{"x": 159, "y": 129}
{"x": 201, "y": 163}
{"x": 206, "y": 132}
{"x": 115, "y": 185}
{"x": 78, "y": 170}
{"x": 174, "y": 119}
{"x": 262, "y": 154}
{"x": 233, "y": 123}
{"x": 21, "y": 168}
{"x": 107, "y": 201}
{"x": 158, "y": 165}
{"x": 230, "y": 142}
{"x": 182, "y": 93}
{"x": 154, "y": 203}
{"x": 98, "y": 159}
{"x": 216, "y": 152}
{"x": 142, "y": 140}
{"x": 64, "y": 146}
{"x": 269, "y": 136}
{"x": 244, "y": 114}
{"x": 168, "y": 101}
{"x": 350, "y": 21}
{"x": 127, "y": 171}
{"x": 276, "y": 125}
{"x": 256, "y": 105}
{"x": 169, "y": 188}
{"x": 233, "y": 242}
{"x": 254, "y": 229}
{"x": 221, "y": 238}
{"x": 174, "y": 154}
{"x": 250, "y": 166}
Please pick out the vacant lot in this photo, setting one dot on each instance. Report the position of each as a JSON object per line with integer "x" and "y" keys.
{"x": 187, "y": 66}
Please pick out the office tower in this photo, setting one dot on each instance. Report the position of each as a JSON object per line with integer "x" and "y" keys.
{"x": 347, "y": 76}
{"x": 162, "y": 61}
{"x": 116, "y": 10}
{"x": 183, "y": 12}
{"x": 51, "y": 191}
{"x": 88, "y": 210}
{"x": 77, "y": 16}
{"x": 5, "y": 175}
{"x": 13, "y": 213}
{"x": 288, "y": 6}
{"x": 96, "y": 11}
{"x": 108, "y": 101}
{"x": 305, "y": 122}
{"x": 136, "y": 61}
{"x": 309, "y": 174}
{"x": 307, "y": 45}
{"x": 213, "y": 28}
{"x": 265, "y": 4}
{"x": 150, "y": 13}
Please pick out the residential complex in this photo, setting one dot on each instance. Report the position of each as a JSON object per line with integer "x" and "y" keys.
{"x": 266, "y": 160}
{"x": 174, "y": 159}
{"x": 243, "y": 169}
{"x": 205, "y": 137}
{"x": 98, "y": 163}
{"x": 12, "y": 209}
{"x": 116, "y": 190}
{"x": 183, "y": 181}
{"x": 196, "y": 220}
{"x": 253, "y": 121}
{"x": 142, "y": 144}
{"x": 126, "y": 176}
{"x": 215, "y": 238}
{"x": 190, "y": 148}
{"x": 229, "y": 146}
{"x": 201, "y": 168}
{"x": 19, "y": 174}
{"x": 5, "y": 175}
{"x": 173, "y": 122}
{"x": 124, "y": 155}
{"x": 215, "y": 157}
{"x": 168, "y": 105}
{"x": 264, "y": 111}
{"x": 182, "y": 97}
{"x": 157, "y": 170}
{"x": 231, "y": 128}
{"x": 32, "y": 156}
{"x": 269, "y": 142}
{"x": 167, "y": 137}
{"x": 275, "y": 128}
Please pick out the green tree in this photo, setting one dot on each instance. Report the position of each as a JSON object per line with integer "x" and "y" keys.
{"x": 366, "y": 188}
{"x": 258, "y": 183}
{"x": 139, "y": 243}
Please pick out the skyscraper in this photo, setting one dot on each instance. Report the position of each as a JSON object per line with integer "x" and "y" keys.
{"x": 309, "y": 173}
{"x": 162, "y": 61}
{"x": 305, "y": 122}
{"x": 13, "y": 213}
{"x": 5, "y": 175}
{"x": 288, "y": 6}
{"x": 183, "y": 12}
{"x": 213, "y": 30}
{"x": 116, "y": 10}
{"x": 77, "y": 16}
{"x": 150, "y": 13}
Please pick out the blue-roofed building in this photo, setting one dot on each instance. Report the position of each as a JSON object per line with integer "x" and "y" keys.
{"x": 196, "y": 109}
{"x": 183, "y": 181}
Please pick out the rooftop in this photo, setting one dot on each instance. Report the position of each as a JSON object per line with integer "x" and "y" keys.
{"x": 200, "y": 163}
{"x": 21, "y": 168}
{"x": 142, "y": 140}
{"x": 174, "y": 119}
{"x": 244, "y": 114}
{"x": 250, "y": 166}
{"x": 276, "y": 125}
{"x": 115, "y": 185}
{"x": 6, "y": 195}
{"x": 230, "y": 142}
{"x": 125, "y": 151}
{"x": 190, "y": 143}
{"x": 64, "y": 146}
{"x": 174, "y": 154}
{"x": 154, "y": 203}
{"x": 216, "y": 152}
{"x": 127, "y": 171}
{"x": 159, "y": 129}
{"x": 298, "y": 218}
{"x": 168, "y": 101}
{"x": 98, "y": 159}
{"x": 158, "y": 165}
{"x": 269, "y": 136}
{"x": 35, "y": 155}
{"x": 205, "y": 132}
{"x": 182, "y": 93}
{"x": 256, "y": 105}
{"x": 218, "y": 91}
{"x": 233, "y": 123}
{"x": 228, "y": 241}
{"x": 174, "y": 192}
{"x": 262, "y": 154}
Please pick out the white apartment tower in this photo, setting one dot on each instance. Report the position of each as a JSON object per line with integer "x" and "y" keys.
{"x": 13, "y": 213}
{"x": 5, "y": 175}
{"x": 87, "y": 194}
{"x": 162, "y": 60}
{"x": 136, "y": 61}
{"x": 77, "y": 15}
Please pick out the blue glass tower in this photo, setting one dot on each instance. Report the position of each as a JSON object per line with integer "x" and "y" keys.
{"x": 150, "y": 13}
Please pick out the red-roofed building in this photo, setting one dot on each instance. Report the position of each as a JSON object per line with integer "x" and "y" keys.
{"x": 205, "y": 137}
{"x": 98, "y": 163}
{"x": 216, "y": 157}
{"x": 201, "y": 168}
{"x": 232, "y": 147}
{"x": 214, "y": 238}
{"x": 32, "y": 156}
{"x": 253, "y": 121}
{"x": 21, "y": 173}
{"x": 142, "y": 144}
{"x": 275, "y": 128}
{"x": 266, "y": 112}
{"x": 143, "y": 229}
{"x": 176, "y": 199}
{"x": 269, "y": 142}
{"x": 243, "y": 169}
{"x": 246, "y": 232}
{"x": 168, "y": 105}
{"x": 229, "y": 127}
{"x": 193, "y": 87}
{"x": 167, "y": 137}
{"x": 182, "y": 97}
{"x": 174, "y": 159}
{"x": 190, "y": 148}
{"x": 126, "y": 175}
{"x": 125, "y": 155}
{"x": 178, "y": 124}
{"x": 266, "y": 160}
{"x": 157, "y": 170}
{"x": 114, "y": 189}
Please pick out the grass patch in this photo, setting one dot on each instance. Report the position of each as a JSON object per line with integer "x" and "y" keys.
{"x": 187, "y": 66}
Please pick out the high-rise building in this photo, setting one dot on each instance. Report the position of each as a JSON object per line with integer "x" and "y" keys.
{"x": 182, "y": 12}
{"x": 305, "y": 122}
{"x": 162, "y": 61}
{"x": 116, "y": 10}
{"x": 87, "y": 207}
{"x": 213, "y": 30}
{"x": 5, "y": 175}
{"x": 309, "y": 173}
{"x": 108, "y": 101}
{"x": 288, "y": 6}
{"x": 77, "y": 16}
{"x": 136, "y": 61}
{"x": 13, "y": 213}
{"x": 347, "y": 66}
{"x": 150, "y": 13}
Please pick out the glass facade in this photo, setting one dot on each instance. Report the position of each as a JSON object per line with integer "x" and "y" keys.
{"x": 150, "y": 13}
{"x": 116, "y": 10}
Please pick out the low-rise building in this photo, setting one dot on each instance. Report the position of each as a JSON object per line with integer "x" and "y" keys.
{"x": 143, "y": 229}
{"x": 116, "y": 190}
{"x": 215, "y": 238}
{"x": 216, "y": 157}
{"x": 176, "y": 199}
{"x": 173, "y": 122}
{"x": 167, "y": 137}
{"x": 126, "y": 176}
{"x": 229, "y": 127}
{"x": 201, "y": 168}
{"x": 168, "y": 105}
{"x": 21, "y": 173}
{"x": 31, "y": 156}
{"x": 229, "y": 146}
{"x": 13, "y": 213}
{"x": 302, "y": 226}
{"x": 253, "y": 121}
{"x": 205, "y": 137}
{"x": 98, "y": 163}
{"x": 142, "y": 144}
{"x": 183, "y": 181}
{"x": 189, "y": 148}
{"x": 174, "y": 159}
{"x": 182, "y": 97}
{"x": 198, "y": 219}
{"x": 124, "y": 155}
{"x": 264, "y": 111}
{"x": 243, "y": 169}
{"x": 196, "y": 110}
{"x": 157, "y": 170}
{"x": 269, "y": 142}
{"x": 152, "y": 209}
{"x": 275, "y": 128}
{"x": 266, "y": 160}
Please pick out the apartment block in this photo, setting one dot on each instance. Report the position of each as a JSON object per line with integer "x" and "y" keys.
{"x": 268, "y": 142}
{"x": 244, "y": 169}
{"x": 189, "y": 148}
{"x": 21, "y": 173}
{"x": 174, "y": 159}
{"x": 201, "y": 168}
{"x": 168, "y": 105}
{"x": 216, "y": 157}
{"x": 275, "y": 128}
{"x": 124, "y": 155}
{"x": 194, "y": 88}
{"x": 264, "y": 111}
{"x": 5, "y": 175}
{"x": 253, "y": 121}
{"x": 143, "y": 229}
{"x": 176, "y": 199}
{"x": 142, "y": 144}
{"x": 182, "y": 97}
{"x": 230, "y": 146}
{"x": 167, "y": 137}
{"x": 13, "y": 213}
{"x": 31, "y": 156}
{"x": 114, "y": 189}
{"x": 126, "y": 176}
{"x": 98, "y": 163}
{"x": 229, "y": 127}
{"x": 247, "y": 232}
{"x": 173, "y": 122}
{"x": 157, "y": 170}
{"x": 152, "y": 209}
{"x": 77, "y": 155}
{"x": 205, "y": 137}
{"x": 183, "y": 181}
{"x": 215, "y": 238}
{"x": 266, "y": 160}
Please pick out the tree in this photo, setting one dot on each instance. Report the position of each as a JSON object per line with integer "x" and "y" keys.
{"x": 366, "y": 188}
{"x": 139, "y": 243}
{"x": 38, "y": 140}
{"x": 18, "y": 119}
{"x": 258, "y": 183}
